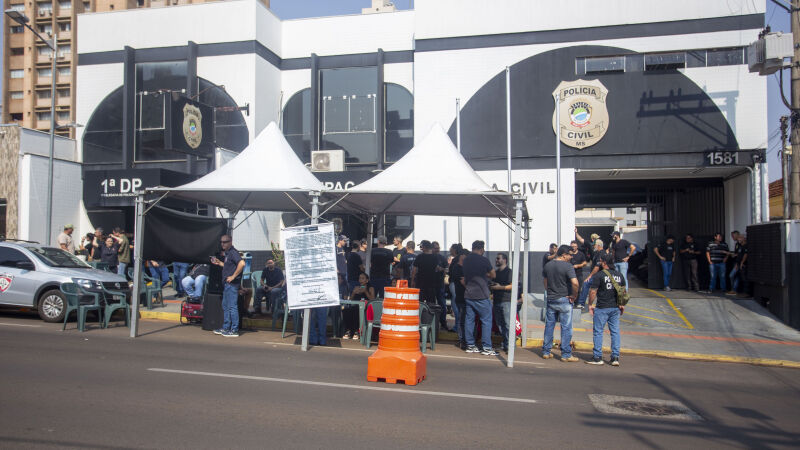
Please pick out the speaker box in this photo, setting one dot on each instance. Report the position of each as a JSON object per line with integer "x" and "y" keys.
{"x": 214, "y": 280}
{"x": 212, "y": 312}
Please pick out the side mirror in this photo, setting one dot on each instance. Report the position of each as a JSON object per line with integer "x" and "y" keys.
{"x": 25, "y": 265}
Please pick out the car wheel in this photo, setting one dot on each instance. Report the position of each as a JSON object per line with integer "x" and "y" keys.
{"x": 52, "y": 306}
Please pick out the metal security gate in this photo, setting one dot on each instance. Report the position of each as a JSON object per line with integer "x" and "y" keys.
{"x": 678, "y": 211}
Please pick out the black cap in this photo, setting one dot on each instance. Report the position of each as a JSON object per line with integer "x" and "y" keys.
{"x": 616, "y": 233}
{"x": 425, "y": 244}
{"x": 343, "y": 238}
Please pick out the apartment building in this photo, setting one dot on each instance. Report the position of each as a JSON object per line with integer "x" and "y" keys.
{"x": 27, "y": 73}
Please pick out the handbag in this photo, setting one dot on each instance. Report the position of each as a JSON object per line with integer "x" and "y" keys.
{"x": 622, "y": 293}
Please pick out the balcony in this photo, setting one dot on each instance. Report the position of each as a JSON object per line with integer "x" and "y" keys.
{"x": 16, "y": 40}
{"x": 16, "y": 62}
{"x": 64, "y": 36}
{"x": 64, "y": 79}
{"x": 15, "y": 106}
{"x": 64, "y": 101}
{"x": 44, "y": 81}
{"x": 42, "y": 59}
{"x": 42, "y": 102}
{"x": 42, "y": 124}
{"x": 15, "y": 84}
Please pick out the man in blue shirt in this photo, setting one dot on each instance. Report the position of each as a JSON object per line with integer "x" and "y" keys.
{"x": 232, "y": 267}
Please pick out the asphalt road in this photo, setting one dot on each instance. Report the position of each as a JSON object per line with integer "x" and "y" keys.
{"x": 180, "y": 387}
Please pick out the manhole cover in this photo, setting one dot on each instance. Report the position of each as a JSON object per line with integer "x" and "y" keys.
{"x": 633, "y": 406}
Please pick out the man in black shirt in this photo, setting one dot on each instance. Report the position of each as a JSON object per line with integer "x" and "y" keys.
{"x": 501, "y": 295}
{"x": 232, "y": 267}
{"x": 341, "y": 257}
{"x": 606, "y": 310}
{"x": 622, "y": 251}
{"x": 407, "y": 261}
{"x": 739, "y": 260}
{"x": 380, "y": 266}
{"x": 579, "y": 263}
{"x": 272, "y": 286}
{"x": 597, "y": 255}
{"x": 549, "y": 256}
{"x": 440, "y": 300}
{"x": 717, "y": 253}
{"x": 354, "y": 265}
{"x": 425, "y": 273}
{"x": 689, "y": 251}
{"x": 666, "y": 253}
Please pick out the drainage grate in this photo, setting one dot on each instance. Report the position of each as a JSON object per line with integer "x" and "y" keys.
{"x": 633, "y": 406}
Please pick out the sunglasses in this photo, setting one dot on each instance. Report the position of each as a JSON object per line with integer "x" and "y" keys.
{"x": 223, "y": 242}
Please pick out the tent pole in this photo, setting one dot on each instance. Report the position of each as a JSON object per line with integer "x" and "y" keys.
{"x": 458, "y": 146}
{"x": 524, "y": 314}
{"x": 512, "y": 311}
{"x": 307, "y": 311}
{"x": 370, "y": 224}
{"x": 508, "y": 138}
{"x": 138, "y": 236}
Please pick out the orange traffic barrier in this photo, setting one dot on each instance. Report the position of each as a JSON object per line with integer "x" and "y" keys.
{"x": 398, "y": 357}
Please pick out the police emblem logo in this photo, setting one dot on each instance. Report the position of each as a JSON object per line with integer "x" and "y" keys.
{"x": 192, "y": 128}
{"x": 584, "y": 116}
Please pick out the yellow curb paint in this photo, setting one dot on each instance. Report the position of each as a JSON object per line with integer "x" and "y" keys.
{"x": 680, "y": 314}
{"x": 651, "y": 310}
{"x": 580, "y": 345}
{"x": 160, "y": 315}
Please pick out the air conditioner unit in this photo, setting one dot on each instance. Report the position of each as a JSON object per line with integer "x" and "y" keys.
{"x": 327, "y": 161}
{"x": 766, "y": 55}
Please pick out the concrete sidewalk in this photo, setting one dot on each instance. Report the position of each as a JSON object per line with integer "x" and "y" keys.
{"x": 676, "y": 324}
{"x": 688, "y": 325}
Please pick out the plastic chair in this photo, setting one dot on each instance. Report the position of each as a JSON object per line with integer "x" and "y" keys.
{"x": 280, "y": 307}
{"x": 74, "y": 292}
{"x": 153, "y": 289}
{"x": 111, "y": 306}
{"x": 377, "y": 311}
{"x": 255, "y": 282}
{"x": 427, "y": 329}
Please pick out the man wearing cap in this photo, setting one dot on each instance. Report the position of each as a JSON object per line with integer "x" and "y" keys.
{"x": 622, "y": 251}
{"x": 65, "y": 239}
{"x": 587, "y": 246}
{"x": 559, "y": 281}
{"x": 477, "y": 273}
{"x": 380, "y": 266}
{"x": 341, "y": 260}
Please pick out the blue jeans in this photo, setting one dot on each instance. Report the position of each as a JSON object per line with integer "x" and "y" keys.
{"x": 501, "y": 311}
{"x": 666, "y": 270}
{"x": 230, "y": 307}
{"x": 442, "y": 302}
{"x": 717, "y": 272}
{"x": 622, "y": 267}
{"x": 160, "y": 273}
{"x": 319, "y": 326}
{"x": 735, "y": 278}
{"x": 482, "y": 308}
{"x": 180, "y": 270}
{"x": 601, "y": 317}
{"x": 194, "y": 286}
{"x": 584, "y": 292}
{"x": 272, "y": 297}
{"x": 563, "y": 307}
{"x": 121, "y": 268}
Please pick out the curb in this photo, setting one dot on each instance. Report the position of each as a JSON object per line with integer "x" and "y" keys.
{"x": 160, "y": 315}
{"x": 582, "y": 345}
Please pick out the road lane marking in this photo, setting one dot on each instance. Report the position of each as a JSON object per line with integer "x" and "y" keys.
{"x": 346, "y": 386}
{"x": 651, "y": 310}
{"x": 426, "y": 354}
{"x": 19, "y": 325}
{"x": 657, "y": 320}
{"x": 680, "y": 314}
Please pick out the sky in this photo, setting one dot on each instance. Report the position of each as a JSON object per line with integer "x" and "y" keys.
{"x": 776, "y": 17}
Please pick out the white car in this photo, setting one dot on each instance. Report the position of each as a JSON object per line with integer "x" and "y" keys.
{"x": 30, "y": 276}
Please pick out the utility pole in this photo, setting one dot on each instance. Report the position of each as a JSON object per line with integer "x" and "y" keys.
{"x": 785, "y": 165}
{"x": 794, "y": 182}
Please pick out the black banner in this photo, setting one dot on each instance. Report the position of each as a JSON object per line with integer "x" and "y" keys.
{"x": 114, "y": 188}
{"x": 190, "y": 126}
{"x": 175, "y": 236}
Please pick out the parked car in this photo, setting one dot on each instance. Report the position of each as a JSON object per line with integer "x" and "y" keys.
{"x": 30, "y": 276}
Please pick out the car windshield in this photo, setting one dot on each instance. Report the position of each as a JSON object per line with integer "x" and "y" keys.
{"x": 55, "y": 257}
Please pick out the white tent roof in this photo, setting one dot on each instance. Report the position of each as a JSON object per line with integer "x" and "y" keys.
{"x": 261, "y": 178}
{"x": 431, "y": 179}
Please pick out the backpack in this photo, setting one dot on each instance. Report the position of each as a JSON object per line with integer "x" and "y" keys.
{"x": 622, "y": 293}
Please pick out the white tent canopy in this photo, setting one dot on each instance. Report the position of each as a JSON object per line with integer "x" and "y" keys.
{"x": 431, "y": 179}
{"x": 262, "y": 177}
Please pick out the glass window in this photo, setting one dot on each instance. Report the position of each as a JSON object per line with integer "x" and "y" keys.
{"x": 725, "y": 57}
{"x": 62, "y": 115}
{"x": 399, "y": 122}
{"x": 65, "y": 4}
{"x": 631, "y": 223}
{"x": 45, "y": 115}
{"x": 15, "y": 95}
{"x": 665, "y": 61}
{"x": 348, "y": 110}
{"x": 16, "y": 73}
{"x": 65, "y": 26}
{"x": 605, "y": 64}
{"x": 44, "y": 7}
{"x": 102, "y": 139}
{"x": 297, "y": 124}
{"x": 46, "y": 29}
{"x": 150, "y": 79}
{"x": 64, "y": 71}
{"x": 46, "y": 73}
{"x": 631, "y": 210}
{"x": 9, "y": 257}
{"x": 17, "y": 29}
{"x": 43, "y": 94}
{"x": 63, "y": 92}
{"x": 18, "y": 7}
{"x": 17, "y": 51}
{"x": 45, "y": 51}
{"x": 64, "y": 50}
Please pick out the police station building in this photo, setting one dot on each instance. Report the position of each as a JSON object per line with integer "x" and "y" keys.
{"x": 656, "y": 107}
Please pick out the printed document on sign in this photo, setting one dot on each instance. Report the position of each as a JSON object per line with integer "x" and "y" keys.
{"x": 310, "y": 256}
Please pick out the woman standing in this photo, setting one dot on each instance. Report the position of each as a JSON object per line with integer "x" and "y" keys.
{"x": 362, "y": 291}
{"x": 108, "y": 254}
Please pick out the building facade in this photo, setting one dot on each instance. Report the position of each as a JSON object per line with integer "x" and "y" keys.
{"x": 657, "y": 110}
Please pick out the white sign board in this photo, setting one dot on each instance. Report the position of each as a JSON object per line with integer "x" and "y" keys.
{"x": 539, "y": 188}
{"x": 310, "y": 257}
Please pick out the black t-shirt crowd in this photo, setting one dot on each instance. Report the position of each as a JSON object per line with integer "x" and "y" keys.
{"x": 502, "y": 277}
{"x": 667, "y": 250}
{"x": 381, "y": 262}
{"x": 606, "y": 294}
{"x": 620, "y": 249}
{"x": 427, "y": 276}
{"x": 559, "y": 274}
{"x": 406, "y": 262}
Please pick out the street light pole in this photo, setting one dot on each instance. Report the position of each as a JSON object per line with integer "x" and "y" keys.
{"x": 23, "y": 20}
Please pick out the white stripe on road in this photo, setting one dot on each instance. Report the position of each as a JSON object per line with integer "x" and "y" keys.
{"x": 346, "y": 386}
{"x": 429, "y": 355}
{"x": 19, "y": 325}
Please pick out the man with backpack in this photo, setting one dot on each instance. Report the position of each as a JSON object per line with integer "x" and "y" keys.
{"x": 608, "y": 289}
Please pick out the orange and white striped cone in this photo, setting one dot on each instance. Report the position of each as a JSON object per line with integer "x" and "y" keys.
{"x": 398, "y": 357}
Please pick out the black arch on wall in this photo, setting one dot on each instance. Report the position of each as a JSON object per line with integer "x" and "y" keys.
{"x": 657, "y": 118}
